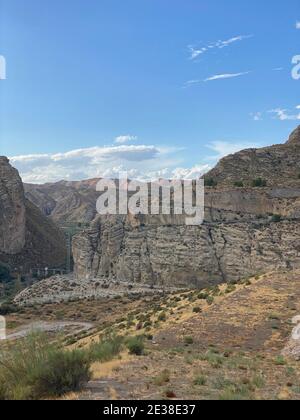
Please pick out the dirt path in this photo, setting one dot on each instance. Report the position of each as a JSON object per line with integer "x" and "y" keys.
{"x": 50, "y": 327}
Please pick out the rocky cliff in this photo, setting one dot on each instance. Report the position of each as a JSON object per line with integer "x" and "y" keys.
{"x": 12, "y": 209}
{"x": 27, "y": 238}
{"x": 277, "y": 165}
{"x": 246, "y": 231}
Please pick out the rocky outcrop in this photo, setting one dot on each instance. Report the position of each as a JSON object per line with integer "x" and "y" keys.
{"x": 185, "y": 256}
{"x": 277, "y": 165}
{"x": 27, "y": 238}
{"x": 247, "y": 231}
{"x": 12, "y": 209}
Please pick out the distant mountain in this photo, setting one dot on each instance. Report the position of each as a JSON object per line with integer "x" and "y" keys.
{"x": 65, "y": 202}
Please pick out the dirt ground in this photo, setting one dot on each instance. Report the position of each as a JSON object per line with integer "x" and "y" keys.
{"x": 222, "y": 343}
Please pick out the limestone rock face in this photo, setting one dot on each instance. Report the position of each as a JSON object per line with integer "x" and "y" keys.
{"x": 185, "y": 256}
{"x": 27, "y": 238}
{"x": 12, "y": 209}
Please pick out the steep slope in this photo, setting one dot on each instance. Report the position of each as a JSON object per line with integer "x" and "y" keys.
{"x": 27, "y": 238}
{"x": 65, "y": 202}
{"x": 12, "y": 209}
{"x": 278, "y": 165}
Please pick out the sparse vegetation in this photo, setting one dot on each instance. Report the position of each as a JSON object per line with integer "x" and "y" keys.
{"x": 33, "y": 368}
{"x": 188, "y": 340}
{"x": 259, "y": 183}
{"x": 107, "y": 349}
{"x": 163, "y": 378}
{"x": 200, "y": 380}
{"x": 136, "y": 345}
{"x": 239, "y": 184}
{"x": 210, "y": 182}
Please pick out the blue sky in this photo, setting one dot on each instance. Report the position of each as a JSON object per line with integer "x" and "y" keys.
{"x": 153, "y": 86}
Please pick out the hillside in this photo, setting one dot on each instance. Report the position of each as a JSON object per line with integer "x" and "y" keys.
{"x": 278, "y": 165}
{"x": 227, "y": 342}
{"x": 65, "y": 202}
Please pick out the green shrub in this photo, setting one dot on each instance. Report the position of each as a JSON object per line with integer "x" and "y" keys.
{"x": 276, "y": 218}
{"x": 65, "y": 371}
{"x": 197, "y": 310}
{"x": 210, "y": 182}
{"x": 106, "y": 350}
{"x": 200, "y": 381}
{"x": 239, "y": 184}
{"x": 163, "y": 378}
{"x": 33, "y": 368}
{"x": 188, "y": 340}
{"x": 210, "y": 300}
{"x": 136, "y": 345}
{"x": 8, "y": 308}
{"x": 259, "y": 183}
{"x": 162, "y": 317}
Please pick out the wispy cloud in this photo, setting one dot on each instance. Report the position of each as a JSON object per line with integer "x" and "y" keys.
{"x": 225, "y": 76}
{"x": 191, "y": 83}
{"x": 285, "y": 114}
{"x": 298, "y": 25}
{"x": 125, "y": 139}
{"x": 195, "y": 51}
{"x": 257, "y": 116}
{"x": 225, "y": 148}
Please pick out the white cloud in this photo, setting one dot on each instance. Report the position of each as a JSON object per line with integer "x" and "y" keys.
{"x": 83, "y": 163}
{"x": 285, "y": 114}
{"x": 191, "y": 173}
{"x": 195, "y": 52}
{"x": 257, "y": 116}
{"x": 140, "y": 162}
{"x": 298, "y": 25}
{"x": 225, "y": 76}
{"x": 224, "y": 148}
{"x": 125, "y": 139}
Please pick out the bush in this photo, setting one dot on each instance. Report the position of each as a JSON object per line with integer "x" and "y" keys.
{"x": 259, "y": 183}
{"x": 163, "y": 378}
{"x": 162, "y": 317}
{"x": 188, "y": 340}
{"x": 8, "y": 308}
{"x": 136, "y": 345}
{"x": 33, "y": 368}
{"x": 239, "y": 184}
{"x": 276, "y": 218}
{"x": 65, "y": 371}
{"x": 197, "y": 310}
{"x": 210, "y": 300}
{"x": 200, "y": 381}
{"x": 106, "y": 350}
{"x": 210, "y": 182}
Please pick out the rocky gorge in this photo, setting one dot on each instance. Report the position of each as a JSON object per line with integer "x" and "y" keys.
{"x": 252, "y": 226}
